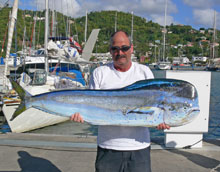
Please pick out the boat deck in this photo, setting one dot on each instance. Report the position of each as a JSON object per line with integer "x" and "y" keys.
{"x": 43, "y": 152}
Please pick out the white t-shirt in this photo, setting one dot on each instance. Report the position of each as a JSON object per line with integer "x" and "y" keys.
{"x": 120, "y": 137}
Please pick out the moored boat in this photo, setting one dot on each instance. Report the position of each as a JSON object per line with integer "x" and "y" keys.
{"x": 40, "y": 81}
{"x": 163, "y": 66}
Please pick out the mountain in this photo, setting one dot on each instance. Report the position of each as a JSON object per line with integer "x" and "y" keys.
{"x": 180, "y": 39}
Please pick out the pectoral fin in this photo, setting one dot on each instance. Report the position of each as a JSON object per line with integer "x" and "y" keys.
{"x": 144, "y": 110}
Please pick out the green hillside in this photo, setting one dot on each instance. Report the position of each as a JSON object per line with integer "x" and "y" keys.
{"x": 180, "y": 39}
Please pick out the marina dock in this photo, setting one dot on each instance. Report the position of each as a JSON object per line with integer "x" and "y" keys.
{"x": 43, "y": 153}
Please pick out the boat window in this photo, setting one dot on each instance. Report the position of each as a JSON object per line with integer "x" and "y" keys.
{"x": 39, "y": 77}
{"x": 20, "y": 70}
{"x": 53, "y": 64}
{"x": 40, "y": 65}
{"x": 40, "y": 52}
{"x": 74, "y": 66}
{"x": 64, "y": 65}
{"x": 31, "y": 66}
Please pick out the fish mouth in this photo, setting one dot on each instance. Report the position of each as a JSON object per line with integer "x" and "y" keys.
{"x": 192, "y": 114}
{"x": 193, "y": 111}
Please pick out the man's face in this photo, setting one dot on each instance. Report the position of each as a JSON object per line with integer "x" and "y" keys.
{"x": 120, "y": 50}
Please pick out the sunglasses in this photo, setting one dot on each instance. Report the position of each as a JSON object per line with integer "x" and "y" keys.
{"x": 124, "y": 48}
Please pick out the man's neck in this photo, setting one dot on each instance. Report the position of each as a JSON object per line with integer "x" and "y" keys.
{"x": 123, "y": 68}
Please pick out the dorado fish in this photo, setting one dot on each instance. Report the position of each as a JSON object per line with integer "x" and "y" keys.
{"x": 144, "y": 103}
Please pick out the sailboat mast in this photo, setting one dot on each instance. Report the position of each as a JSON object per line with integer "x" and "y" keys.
{"x": 164, "y": 30}
{"x": 46, "y": 36}
{"x": 132, "y": 23}
{"x": 86, "y": 27}
{"x": 115, "y": 21}
{"x": 34, "y": 31}
{"x": 214, "y": 35}
{"x": 10, "y": 35}
{"x": 24, "y": 48}
{"x": 54, "y": 24}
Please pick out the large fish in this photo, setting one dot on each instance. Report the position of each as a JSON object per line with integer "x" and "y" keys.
{"x": 144, "y": 103}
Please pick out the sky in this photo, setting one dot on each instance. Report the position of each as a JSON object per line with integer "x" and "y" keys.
{"x": 197, "y": 13}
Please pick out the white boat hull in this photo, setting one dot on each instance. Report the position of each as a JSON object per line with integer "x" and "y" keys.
{"x": 31, "y": 119}
{"x": 163, "y": 66}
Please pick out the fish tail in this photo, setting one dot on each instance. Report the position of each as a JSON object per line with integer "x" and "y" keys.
{"x": 19, "y": 110}
{"x": 23, "y": 95}
{"x": 21, "y": 92}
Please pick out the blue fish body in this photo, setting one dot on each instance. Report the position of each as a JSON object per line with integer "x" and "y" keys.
{"x": 144, "y": 103}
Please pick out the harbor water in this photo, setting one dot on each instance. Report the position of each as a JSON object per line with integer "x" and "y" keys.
{"x": 72, "y": 128}
{"x": 214, "y": 113}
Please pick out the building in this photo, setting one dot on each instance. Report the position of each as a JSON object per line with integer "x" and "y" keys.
{"x": 39, "y": 18}
{"x": 103, "y": 57}
{"x": 202, "y": 31}
{"x": 196, "y": 58}
{"x": 27, "y": 15}
{"x": 180, "y": 60}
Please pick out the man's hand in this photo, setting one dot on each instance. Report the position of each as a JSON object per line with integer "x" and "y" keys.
{"x": 163, "y": 126}
{"x": 77, "y": 118}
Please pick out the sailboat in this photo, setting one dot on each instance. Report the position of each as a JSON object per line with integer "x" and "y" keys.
{"x": 32, "y": 118}
{"x": 164, "y": 65}
{"x": 214, "y": 63}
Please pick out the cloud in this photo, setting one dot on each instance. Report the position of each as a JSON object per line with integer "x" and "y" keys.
{"x": 98, "y": 5}
{"x": 202, "y": 4}
{"x": 160, "y": 19}
{"x": 205, "y": 18}
{"x": 149, "y": 9}
{"x": 157, "y": 6}
{"x": 156, "y": 10}
{"x": 67, "y": 7}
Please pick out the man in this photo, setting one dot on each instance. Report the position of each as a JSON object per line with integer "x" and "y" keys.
{"x": 121, "y": 148}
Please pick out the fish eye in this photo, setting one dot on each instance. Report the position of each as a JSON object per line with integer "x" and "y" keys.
{"x": 172, "y": 108}
{"x": 162, "y": 102}
{"x": 188, "y": 105}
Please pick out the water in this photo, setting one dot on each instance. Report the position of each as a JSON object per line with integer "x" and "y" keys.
{"x": 214, "y": 113}
{"x": 72, "y": 128}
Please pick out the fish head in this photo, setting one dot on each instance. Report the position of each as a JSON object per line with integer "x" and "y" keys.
{"x": 182, "y": 106}
{"x": 181, "y": 113}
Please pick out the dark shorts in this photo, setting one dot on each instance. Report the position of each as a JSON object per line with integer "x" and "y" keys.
{"x": 108, "y": 160}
